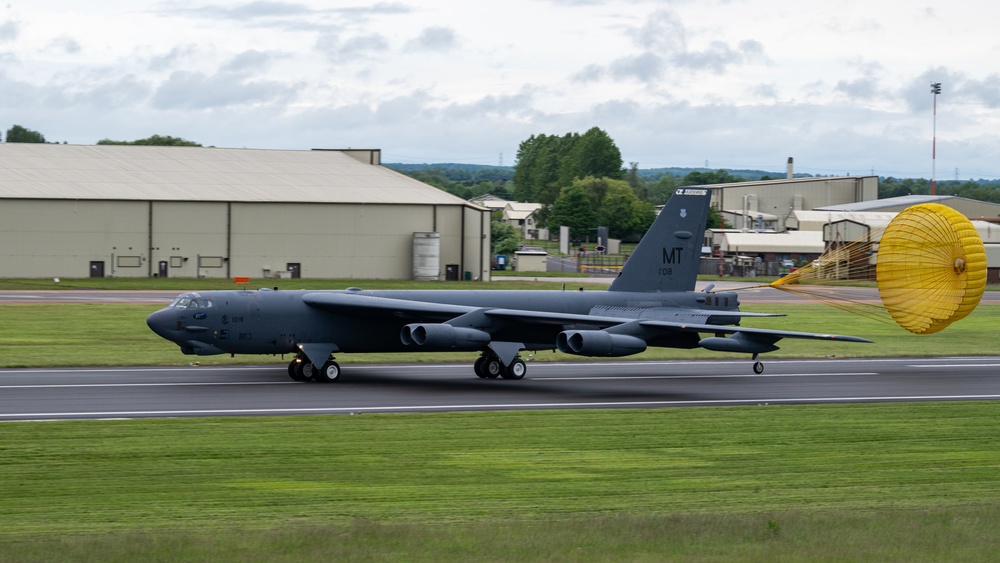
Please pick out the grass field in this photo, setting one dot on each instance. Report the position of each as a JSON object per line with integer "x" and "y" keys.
{"x": 878, "y": 481}
{"x": 886, "y": 482}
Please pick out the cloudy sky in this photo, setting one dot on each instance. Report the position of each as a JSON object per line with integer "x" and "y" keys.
{"x": 842, "y": 86}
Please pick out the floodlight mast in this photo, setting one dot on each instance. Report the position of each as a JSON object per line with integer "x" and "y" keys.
{"x": 935, "y": 90}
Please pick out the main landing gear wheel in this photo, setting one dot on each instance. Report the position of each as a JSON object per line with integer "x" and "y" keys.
{"x": 515, "y": 370}
{"x": 329, "y": 373}
{"x": 489, "y": 366}
{"x": 300, "y": 370}
{"x": 493, "y": 368}
{"x": 758, "y": 368}
{"x": 304, "y": 371}
{"x": 480, "y": 367}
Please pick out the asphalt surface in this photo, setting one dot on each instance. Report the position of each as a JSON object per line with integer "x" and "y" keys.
{"x": 157, "y": 392}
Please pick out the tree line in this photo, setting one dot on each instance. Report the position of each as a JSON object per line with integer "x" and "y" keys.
{"x": 586, "y": 172}
{"x": 21, "y": 134}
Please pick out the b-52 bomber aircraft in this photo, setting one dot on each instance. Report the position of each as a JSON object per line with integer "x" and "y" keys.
{"x": 653, "y": 302}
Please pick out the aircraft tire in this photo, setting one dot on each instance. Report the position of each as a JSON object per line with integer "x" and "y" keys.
{"x": 305, "y": 371}
{"x": 291, "y": 371}
{"x": 478, "y": 367}
{"x": 515, "y": 370}
{"x": 329, "y": 373}
{"x": 758, "y": 368}
{"x": 493, "y": 368}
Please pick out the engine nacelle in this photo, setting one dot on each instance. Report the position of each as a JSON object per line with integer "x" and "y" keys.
{"x": 444, "y": 337}
{"x": 738, "y": 342}
{"x": 598, "y": 343}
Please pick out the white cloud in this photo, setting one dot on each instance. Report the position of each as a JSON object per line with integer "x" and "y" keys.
{"x": 841, "y": 87}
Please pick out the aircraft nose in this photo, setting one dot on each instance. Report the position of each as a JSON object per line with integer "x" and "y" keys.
{"x": 163, "y": 322}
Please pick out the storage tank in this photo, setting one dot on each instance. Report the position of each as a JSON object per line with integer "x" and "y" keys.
{"x": 426, "y": 256}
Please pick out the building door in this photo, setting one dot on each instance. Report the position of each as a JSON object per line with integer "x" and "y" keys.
{"x": 451, "y": 272}
{"x": 97, "y": 269}
{"x": 163, "y": 268}
{"x": 295, "y": 269}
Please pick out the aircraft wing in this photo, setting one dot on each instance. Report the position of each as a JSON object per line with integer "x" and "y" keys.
{"x": 532, "y": 317}
{"x": 348, "y": 304}
{"x": 759, "y": 333}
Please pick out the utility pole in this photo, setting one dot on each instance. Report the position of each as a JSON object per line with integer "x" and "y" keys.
{"x": 935, "y": 89}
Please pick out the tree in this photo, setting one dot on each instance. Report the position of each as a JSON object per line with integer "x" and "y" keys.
{"x": 18, "y": 134}
{"x": 616, "y": 206}
{"x": 715, "y": 220}
{"x": 546, "y": 163}
{"x": 505, "y": 238}
{"x": 536, "y": 173}
{"x": 662, "y": 190}
{"x": 155, "y": 140}
{"x": 698, "y": 178}
{"x": 573, "y": 210}
{"x": 636, "y": 181}
{"x": 594, "y": 154}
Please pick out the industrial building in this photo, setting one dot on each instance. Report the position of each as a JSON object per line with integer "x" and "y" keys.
{"x": 143, "y": 211}
{"x": 802, "y": 235}
{"x": 771, "y": 204}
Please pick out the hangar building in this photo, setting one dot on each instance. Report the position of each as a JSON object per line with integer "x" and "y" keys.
{"x": 771, "y": 204}
{"x": 138, "y": 211}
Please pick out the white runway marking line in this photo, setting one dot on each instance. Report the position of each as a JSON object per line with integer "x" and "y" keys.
{"x": 700, "y": 376}
{"x": 954, "y": 365}
{"x": 333, "y": 410}
{"x": 174, "y": 384}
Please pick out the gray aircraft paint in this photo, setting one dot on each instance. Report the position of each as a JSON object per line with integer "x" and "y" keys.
{"x": 651, "y": 303}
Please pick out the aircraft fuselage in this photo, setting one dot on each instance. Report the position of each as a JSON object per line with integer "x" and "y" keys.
{"x": 279, "y": 321}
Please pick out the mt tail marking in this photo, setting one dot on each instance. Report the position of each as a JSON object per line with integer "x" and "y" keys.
{"x": 667, "y": 257}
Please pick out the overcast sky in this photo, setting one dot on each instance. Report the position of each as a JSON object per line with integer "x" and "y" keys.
{"x": 841, "y": 86}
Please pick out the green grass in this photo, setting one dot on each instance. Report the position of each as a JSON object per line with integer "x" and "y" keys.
{"x": 875, "y": 481}
{"x": 887, "y": 482}
{"x": 39, "y": 335}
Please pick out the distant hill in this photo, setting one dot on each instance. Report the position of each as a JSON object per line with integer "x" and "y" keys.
{"x": 471, "y": 168}
{"x": 651, "y": 174}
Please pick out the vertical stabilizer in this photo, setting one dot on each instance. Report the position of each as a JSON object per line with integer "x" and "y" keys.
{"x": 668, "y": 255}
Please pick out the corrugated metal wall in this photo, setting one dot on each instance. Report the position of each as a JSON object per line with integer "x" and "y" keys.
{"x": 60, "y": 238}
{"x": 50, "y": 238}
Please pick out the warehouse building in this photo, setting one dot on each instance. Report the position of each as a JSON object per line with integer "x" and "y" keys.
{"x": 138, "y": 211}
{"x": 771, "y": 204}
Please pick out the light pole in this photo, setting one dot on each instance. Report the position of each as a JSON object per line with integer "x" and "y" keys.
{"x": 935, "y": 89}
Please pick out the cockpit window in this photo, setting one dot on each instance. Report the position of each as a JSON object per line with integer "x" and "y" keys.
{"x": 187, "y": 302}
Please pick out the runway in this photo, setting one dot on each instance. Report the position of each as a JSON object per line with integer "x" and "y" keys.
{"x": 160, "y": 392}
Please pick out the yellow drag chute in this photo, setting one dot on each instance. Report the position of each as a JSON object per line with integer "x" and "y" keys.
{"x": 931, "y": 268}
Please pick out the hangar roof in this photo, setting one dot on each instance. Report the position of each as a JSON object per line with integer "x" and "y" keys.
{"x": 519, "y": 210}
{"x": 805, "y": 242}
{"x": 887, "y": 203}
{"x": 128, "y": 172}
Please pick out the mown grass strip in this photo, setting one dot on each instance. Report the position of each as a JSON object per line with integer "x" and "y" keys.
{"x": 706, "y": 482}
{"x": 70, "y": 477}
{"x": 935, "y": 534}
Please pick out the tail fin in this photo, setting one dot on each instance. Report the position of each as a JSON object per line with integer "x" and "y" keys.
{"x": 668, "y": 255}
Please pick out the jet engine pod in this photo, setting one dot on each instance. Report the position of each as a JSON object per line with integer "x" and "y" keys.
{"x": 738, "y": 342}
{"x": 598, "y": 343}
{"x": 444, "y": 337}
